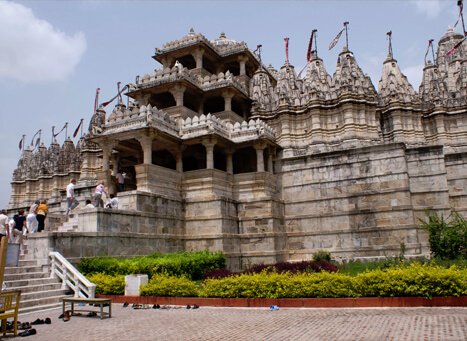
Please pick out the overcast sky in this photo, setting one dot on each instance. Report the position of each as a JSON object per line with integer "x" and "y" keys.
{"x": 54, "y": 54}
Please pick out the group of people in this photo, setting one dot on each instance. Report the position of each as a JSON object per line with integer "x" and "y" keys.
{"x": 15, "y": 229}
{"x": 21, "y": 224}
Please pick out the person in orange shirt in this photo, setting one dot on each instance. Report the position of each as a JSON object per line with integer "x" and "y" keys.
{"x": 41, "y": 214}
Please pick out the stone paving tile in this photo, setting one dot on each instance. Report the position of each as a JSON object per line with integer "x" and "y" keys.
{"x": 261, "y": 324}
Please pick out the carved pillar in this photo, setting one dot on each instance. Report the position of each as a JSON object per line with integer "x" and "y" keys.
{"x": 242, "y": 61}
{"x": 106, "y": 152}
{"x": 229, "y": 153}
{"x": 270, "y": 164}
{"x": 260, "y": 157}
{"x": 227, "y": 100}
{"x": 198, "y": 56}
{"x": 179, "y": 159}
{"x": 209, "y": 145}
{"x": 178, "y": 91}
{"x": 146, "y": 145}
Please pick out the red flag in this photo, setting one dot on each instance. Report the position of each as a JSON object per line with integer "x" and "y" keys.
{"x": 286, "y": 41}
{"x": 113, "y": 98}
{"x": 454, "y": 49}
{"x": 310, "y": 44}
{"x": 21, "y": 143}
{"x": 77, "y": 128}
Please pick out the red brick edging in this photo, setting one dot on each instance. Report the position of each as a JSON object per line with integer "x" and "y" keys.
{"x": 297, "y": 302}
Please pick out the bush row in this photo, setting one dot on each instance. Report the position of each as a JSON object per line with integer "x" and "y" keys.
{"x": 190, "y": 264}
{"x": 425, "y": 280}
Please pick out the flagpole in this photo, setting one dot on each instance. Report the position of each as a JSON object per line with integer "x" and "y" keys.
{"x": 346, "y": 35}
{"x": 53, "y": 134}
{"x": 389, "y": 34}
{"x": 66, "y": 131}
{"x": 315, "y": 32}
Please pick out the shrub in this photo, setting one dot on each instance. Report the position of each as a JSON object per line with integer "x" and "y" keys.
{"x": 107, "y": 284}
{"x": 322, "y": 255}
{"x": 414, "y": 280}
{"x": 218, "y": 273}
{"x": 163, "y": 285}
{"x": 190, "y": 264}
{"x": 295, "y": 267}
{"x": 280, "y": 285}
{"x": 447, "y": 238}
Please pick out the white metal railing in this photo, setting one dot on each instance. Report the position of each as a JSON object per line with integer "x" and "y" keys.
{"x": 70, "y": 276}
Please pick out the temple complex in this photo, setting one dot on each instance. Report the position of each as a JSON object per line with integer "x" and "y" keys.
{"x": 224, "y": 153}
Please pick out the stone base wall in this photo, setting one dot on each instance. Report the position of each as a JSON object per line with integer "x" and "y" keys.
{"x": 354, "y": 202}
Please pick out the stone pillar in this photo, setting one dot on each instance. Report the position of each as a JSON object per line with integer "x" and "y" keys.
{"x": 146, "y": 145}
{"x": 178, "y": 91}
{"x": 106, "y": 151}
{"x": 229, "y": 154}
{"x": 259, "y": 157}
{"x": 242, "y": 61}
{"x": 209, "y": 145}
{"x": 198, "y": 56}
{"x": 179, "y": 160}
{"x": 270, "y": 164}
{"x": 227, "y": 100}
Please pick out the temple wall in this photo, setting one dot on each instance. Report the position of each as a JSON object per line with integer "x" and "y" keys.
{"x": 354, "y": 202}
{"x": 456, "y": 169}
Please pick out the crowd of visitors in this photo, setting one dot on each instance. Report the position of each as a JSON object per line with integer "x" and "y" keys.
{"x": 16, "y": 228}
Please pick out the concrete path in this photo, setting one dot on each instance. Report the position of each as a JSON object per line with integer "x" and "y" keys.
{"x": 208, "y": 323}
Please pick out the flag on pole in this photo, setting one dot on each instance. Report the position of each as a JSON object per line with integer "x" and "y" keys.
{"x": 336, "y": 39}
{"x": 55, "y": 135}
{"x": 96, "y": 99}
{"x": 286, "y": 41}
{"x": 77, "y": 128}
{"x": 310, "y": 45}
{"x": 113, "y": 98}
{"x": 454, "y": 49}
{"x": 20, "y": 145}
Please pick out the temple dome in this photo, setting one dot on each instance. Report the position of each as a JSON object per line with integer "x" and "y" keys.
{"x": 224, "y": 41}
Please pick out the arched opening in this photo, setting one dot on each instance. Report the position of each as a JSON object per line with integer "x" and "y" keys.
{"x": 244, "y": 160}
{"x": 162, "y": 100}
{"x": 187, "y": 61}
{"x": 214, "y": 104}
{"x": 220, "y": 159}
{"x": 194, "y": 157}
{"x": 164, "y": 159}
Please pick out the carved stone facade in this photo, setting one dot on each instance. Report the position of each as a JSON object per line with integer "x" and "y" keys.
{"x": 223, "y": 153}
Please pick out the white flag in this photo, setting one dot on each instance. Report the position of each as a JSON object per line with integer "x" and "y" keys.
{"x": 336, "y": 39}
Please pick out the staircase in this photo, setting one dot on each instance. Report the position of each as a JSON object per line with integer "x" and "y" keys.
{"x": 39, "y": 290}
{"x": 70, "y": 225}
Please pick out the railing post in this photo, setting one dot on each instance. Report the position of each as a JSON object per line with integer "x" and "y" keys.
{"x": 53, "y": 265}
{"x": 64, "y": 275}
{"x": 76, "y": 280}
{"x": 92, "y": 291}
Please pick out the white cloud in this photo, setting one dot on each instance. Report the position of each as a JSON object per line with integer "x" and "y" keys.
{"x": 430, "y": 8}
{"x": 414, "y": 75}
{"x": 32, "y": 50}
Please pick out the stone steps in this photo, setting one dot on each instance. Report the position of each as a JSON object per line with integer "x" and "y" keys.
{"x": 39, "y": 291}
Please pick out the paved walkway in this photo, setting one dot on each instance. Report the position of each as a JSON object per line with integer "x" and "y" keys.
{"x": 209, "y": 323}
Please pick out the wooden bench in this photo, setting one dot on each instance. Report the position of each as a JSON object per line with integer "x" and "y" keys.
{"x": 9, "y": 305}
{"x": 101, "y": 302}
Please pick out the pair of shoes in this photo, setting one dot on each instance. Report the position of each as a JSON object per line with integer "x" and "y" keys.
{"x": 156, "y": 306}
{"x": 61, "y": 316}
{"x": 188, "y": 306}
{"x": 38, "y": 321}
{"x": 24, "y": 326}
{"x": 66, "y": 316}
{"x": 126, "y": 304}
{"x": 195, "y": 306}
{"x": 48, "y": 320}
{"x": 274, "y": 307}
{"x": 91, "y": 314}
{"x": 28, "y": 332}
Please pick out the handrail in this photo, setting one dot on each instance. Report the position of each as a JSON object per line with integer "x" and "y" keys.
{"x": 70, "y": 276}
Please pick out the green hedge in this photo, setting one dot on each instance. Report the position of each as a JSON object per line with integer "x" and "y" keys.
{"x": 190, "y": 264}
{"x": 426, "y": 280}
{"x": 108, "y": 284}
{"x": 163, "y": 285}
